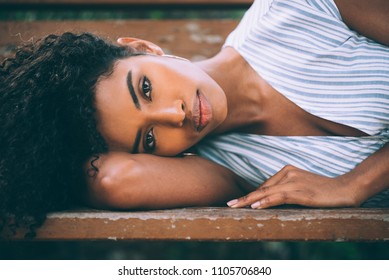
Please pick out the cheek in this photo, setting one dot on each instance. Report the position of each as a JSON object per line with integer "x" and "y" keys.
{"x": 173, "y": 142}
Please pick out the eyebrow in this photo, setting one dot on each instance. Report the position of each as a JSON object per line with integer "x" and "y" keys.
{"x": 137, "y": 106}
{"x": 132, "y": 91}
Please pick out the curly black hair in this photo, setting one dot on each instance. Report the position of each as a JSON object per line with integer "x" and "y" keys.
{"x": 48, "y": 124}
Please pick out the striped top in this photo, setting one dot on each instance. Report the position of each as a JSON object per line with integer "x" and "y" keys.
{"x": 303, "y": 49}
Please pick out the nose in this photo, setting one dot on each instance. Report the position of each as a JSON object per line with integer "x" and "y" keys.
{"x": 170, "y": 115}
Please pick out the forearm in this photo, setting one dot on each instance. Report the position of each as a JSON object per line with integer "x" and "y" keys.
{"x": 370, "y": 177}
{"x": 145, "y": 181}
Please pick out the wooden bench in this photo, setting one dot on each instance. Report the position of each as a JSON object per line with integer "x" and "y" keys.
{"x": 194, "y": 39}
{"x": 218, "y": 224}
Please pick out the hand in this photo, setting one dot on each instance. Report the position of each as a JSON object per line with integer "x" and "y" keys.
{"x": 292, "y": 185}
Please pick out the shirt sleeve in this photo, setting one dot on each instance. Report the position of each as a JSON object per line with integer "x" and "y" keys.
{"x": 251, "y": 18}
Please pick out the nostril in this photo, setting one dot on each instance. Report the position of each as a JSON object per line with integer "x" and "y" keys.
{"x": 183, "y": 107}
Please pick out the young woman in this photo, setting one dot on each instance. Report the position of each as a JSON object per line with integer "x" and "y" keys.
{"x": 296, "y": 103}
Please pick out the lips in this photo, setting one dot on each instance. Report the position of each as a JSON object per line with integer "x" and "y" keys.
{"x": 202, "y": 112}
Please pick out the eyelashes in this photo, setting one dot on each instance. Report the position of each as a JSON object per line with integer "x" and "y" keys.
{"x": 146, "y": 88}
{"x": 149, "y": 139}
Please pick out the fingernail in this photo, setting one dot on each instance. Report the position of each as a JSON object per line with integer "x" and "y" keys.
{"x": 121, "y": 40}
{"x": 256, "y": 204}
{"x": 232, "y": 202}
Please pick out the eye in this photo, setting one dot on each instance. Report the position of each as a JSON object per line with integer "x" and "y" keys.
{"x": 149, "y": 141}
{"x": 146, "y": 88}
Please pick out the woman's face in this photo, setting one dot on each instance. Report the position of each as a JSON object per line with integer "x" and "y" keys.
{"x": 159, "y": 105}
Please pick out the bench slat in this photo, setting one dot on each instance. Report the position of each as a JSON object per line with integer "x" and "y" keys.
{"x": 193, "y": 39}
{"x": 218, "y": 224}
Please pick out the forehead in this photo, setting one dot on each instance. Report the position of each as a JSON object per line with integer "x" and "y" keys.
{"x": 115, "y": 108}
{"x": 136, "y": 61}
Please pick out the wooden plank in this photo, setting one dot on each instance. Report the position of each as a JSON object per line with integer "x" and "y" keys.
{"x": 193, "y": 39}
{"x": 218, "y": 224}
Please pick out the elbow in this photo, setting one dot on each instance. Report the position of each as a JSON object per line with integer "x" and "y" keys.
{"x": 112, "y": 187}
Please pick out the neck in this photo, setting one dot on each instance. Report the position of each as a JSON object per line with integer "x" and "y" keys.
{"x": 242, "y": 87}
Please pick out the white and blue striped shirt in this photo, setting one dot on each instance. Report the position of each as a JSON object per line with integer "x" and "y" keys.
{"x": 304, "y": 50}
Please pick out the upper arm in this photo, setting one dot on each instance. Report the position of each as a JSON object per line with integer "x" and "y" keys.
{"x": 368, "y": 17}
{"x": 145, "y": 181}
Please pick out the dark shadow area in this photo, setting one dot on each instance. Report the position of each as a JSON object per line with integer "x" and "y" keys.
{"x": 194, "y": 250}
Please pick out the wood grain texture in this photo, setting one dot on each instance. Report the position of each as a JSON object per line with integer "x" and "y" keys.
{"x": 193, "y": 39}
{"x": 218, "y": 224}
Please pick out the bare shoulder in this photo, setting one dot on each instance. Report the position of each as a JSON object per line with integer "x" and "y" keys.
{"x": 368, "y": 17}
{"x": 146, "y": 181}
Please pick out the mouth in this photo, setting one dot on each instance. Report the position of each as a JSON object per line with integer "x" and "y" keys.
{"x": 202, "y": 112}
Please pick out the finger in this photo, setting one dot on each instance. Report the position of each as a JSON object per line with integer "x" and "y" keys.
{"x": 279, "y": 177}
{"x": 262, "y": 190}
{"x": 275, "y": 199}
{"x": 291, "y": 196}
{"x": 249, "y": 198}
{"x": 276, "y": 183}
